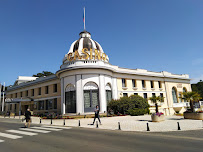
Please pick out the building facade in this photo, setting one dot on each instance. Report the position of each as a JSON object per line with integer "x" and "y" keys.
{"x": 86, "y": 79}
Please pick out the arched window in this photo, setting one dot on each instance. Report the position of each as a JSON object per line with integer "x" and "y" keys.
{"x": 108, "y": 93}
{"x": 184, "y": 90}
{"x": 174, "y": 95}
{"x": 91, "y": 96}
{"x": 70, "y": 99}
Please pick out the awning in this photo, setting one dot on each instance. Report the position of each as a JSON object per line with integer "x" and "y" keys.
{"x": 16, "y": 100}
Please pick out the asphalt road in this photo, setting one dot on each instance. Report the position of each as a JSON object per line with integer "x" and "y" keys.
{"x": 82, "y": 140}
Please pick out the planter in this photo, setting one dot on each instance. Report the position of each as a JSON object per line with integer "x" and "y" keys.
{"x": 156, "y": 118}
{"x": 193, "y": 115}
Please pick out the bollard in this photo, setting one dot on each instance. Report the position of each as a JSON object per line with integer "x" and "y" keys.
{"x": 79, "y": 123}
{"x": 51, "y": 121}
{"x": 148, "y": 127}
{"x": 97, "y": 124}
{"x": 40, "y": 121}
{"x": 64, "y": 123}
{"x": 119, "y": 126}
{"x": 178, "y": 126}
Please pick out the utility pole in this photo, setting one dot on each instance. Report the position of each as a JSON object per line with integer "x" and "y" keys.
{"x": 3, "y": 98}
{"x": 0, "y": 96}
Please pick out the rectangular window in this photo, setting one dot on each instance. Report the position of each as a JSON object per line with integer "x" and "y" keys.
{"x": 47, "y": 104}
{"x": 161, "y": 95}
{"x": 15, "y": 107}
{"x": 136, "y": 94}
{"x": 39, "y": 91}
{"x": 153, "y": 94}
{"x": 143, "y": 84}
{"x": 50, "y": 105}
{"x": 123, "y": 83}
{"x": 180, "y": 97}
{"x": 33, "y": 92}
{"x": 152, "y": 84}
{"x": 47, "y": 90}
{"x": 55, "y": 88}
{"x": 35, "y": 105}
{"x": 160, "y": 85}
{"x": 16, "y": 95}
{"x": 21, "y": 94}
{"x": 11, "y": 95}
{"x": 27, "y": 93}
{"x": 41, "y": 105}
{"x": 10, "y": 106}
{"x": 134, "y": 84}
{"x": 55, "y": 103}
{"x": 125, "y": 94}
{"x": 145, "y": 95}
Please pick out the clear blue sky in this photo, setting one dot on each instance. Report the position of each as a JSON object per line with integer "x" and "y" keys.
{"x": 156, "y": 35}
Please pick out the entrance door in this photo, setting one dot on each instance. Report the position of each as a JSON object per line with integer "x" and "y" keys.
{"x": 70, "y": 99}
{"x": 91, "y": 97}
{"x": 70, "y": 102}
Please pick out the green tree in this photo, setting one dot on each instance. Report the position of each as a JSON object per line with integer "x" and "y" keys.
{"x": 155, "y": 100}
{"x": 191, "y": 97}
{"x": 133, "y": 105}
{"x": 198, "y": 87}
{"x": 44, "y": 73}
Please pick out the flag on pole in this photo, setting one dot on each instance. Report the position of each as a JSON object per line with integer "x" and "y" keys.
{"x": 84, "y": 18}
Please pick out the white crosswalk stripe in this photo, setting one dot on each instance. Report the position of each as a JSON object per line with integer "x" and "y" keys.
{"x": 30, "y": 131}
{"x": 22, "y": 132}
{"x": 9, "y": 136}
{"x": 57, "y": 127}
{"x": 35, "y": 130}
{"x": 51, "y": 129}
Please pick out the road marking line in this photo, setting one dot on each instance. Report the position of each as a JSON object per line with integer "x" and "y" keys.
{"x": 57, "y": 127}
{"x": 1, "y": 140}
{"x": 22, "y": 132}
{"x": 51, "y": 129}
{"x": 34, "y": 130}
{"x": 9, "y": 136}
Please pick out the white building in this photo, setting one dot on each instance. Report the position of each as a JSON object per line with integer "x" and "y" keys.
{"x": 86, "y": 79}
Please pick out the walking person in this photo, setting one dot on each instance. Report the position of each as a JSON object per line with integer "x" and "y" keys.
{"x": 27, "y": 118}
{"x": 96, "y": 114}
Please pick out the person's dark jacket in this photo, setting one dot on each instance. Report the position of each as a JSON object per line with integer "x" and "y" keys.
{"x": 27, "y": 115}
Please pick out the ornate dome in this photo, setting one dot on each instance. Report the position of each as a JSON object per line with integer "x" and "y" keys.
{"x": 85, "y": 42}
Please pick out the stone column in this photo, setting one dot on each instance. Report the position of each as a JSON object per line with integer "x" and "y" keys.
{"x": 79, "y": 94}
{"x": 102, "y": 94}
{"x": 62, "y": 97}
{"x": 114, "y": 89}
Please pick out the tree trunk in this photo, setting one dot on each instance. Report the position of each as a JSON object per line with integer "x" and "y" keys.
{"x": 191, "y": 106}
{"x": 156, "y": 105}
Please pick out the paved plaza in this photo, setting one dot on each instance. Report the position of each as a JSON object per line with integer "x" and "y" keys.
{"x": 127, "y": 123}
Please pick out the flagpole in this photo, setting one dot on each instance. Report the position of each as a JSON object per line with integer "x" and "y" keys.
{"x": 84, "y": 18}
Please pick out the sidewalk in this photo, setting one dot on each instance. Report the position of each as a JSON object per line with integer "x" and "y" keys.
{"x": 127, "y": 123}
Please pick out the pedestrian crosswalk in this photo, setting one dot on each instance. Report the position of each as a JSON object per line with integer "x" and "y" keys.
{"x": 51, "y": 129}
{"x": 34, "y": 130}
{"x": 20, "y": 132}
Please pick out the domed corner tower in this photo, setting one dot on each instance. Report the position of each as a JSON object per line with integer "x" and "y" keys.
{"x": 86, "y": 77}
{"x": 83, "y": 51}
